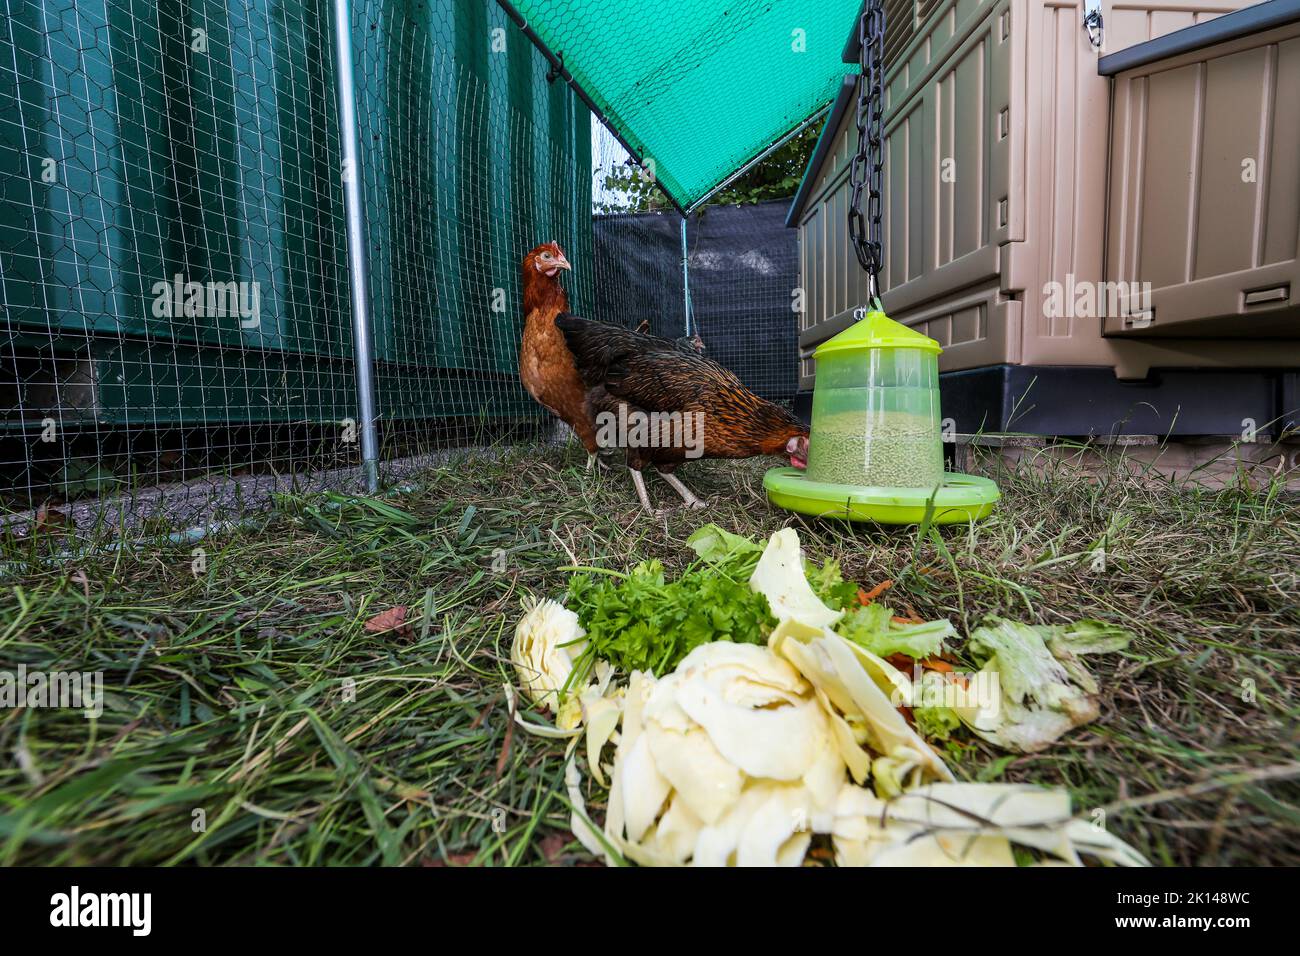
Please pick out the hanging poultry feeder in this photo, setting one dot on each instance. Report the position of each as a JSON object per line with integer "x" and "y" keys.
{"x": 876, "y": 449}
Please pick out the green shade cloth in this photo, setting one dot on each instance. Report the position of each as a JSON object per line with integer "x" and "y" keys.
{"x": 699, "y": 87}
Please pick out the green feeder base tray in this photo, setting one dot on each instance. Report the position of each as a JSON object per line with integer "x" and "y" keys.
{"x": 961, "y": 498}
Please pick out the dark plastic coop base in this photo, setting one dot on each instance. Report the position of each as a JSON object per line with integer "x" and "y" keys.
{"x": 1081, "y": 401}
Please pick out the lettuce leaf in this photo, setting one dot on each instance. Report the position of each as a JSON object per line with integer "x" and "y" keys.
{"x": 719, "y": 546}
{"x": 829, "y": 585}
{"x": 873, "y": 627}
{"x": 1044, "y": 689}
{"x": 936, "y": 723}
{"x": 739, "y": 556}
{"x": 782, "y": 578}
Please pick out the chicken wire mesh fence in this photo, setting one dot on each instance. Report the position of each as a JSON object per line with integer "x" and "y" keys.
{"x": 173, "y": 254}
{"x": 463, "y": 172}
{"x": 176, "y": 338}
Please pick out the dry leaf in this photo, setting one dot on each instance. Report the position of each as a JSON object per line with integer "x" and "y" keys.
{"x": 553, "y": 844}
{"x": 465, "y": 858}
{"x": 393, "y": 620}
{"x": 50, "y": 521}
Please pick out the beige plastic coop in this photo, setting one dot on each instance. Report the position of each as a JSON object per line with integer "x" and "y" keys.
{"x": 1017, "y": 174}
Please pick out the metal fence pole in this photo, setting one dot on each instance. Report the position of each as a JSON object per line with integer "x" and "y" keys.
{"x": 686, "y": 279}
{"x": 363, "y": 343}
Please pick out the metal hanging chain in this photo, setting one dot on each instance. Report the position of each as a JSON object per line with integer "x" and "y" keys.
{"x": 1093, "y": 24}
{"x": 867, "y": 232}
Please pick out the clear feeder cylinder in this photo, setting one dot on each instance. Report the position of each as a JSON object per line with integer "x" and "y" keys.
{"x": 875, "y": 420}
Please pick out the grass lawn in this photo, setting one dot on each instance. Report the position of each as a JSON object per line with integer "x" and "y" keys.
{"x": 251, "y": 718}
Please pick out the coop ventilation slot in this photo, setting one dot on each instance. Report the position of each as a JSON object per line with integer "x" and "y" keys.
{"x": 1276, "y": 294}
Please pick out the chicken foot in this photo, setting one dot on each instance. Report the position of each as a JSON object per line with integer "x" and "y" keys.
{"x": 688, "y": 496}
{"x": 596, "y": 463}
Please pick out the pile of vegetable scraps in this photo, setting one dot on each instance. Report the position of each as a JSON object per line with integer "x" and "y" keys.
{"x": 758, "y": 711}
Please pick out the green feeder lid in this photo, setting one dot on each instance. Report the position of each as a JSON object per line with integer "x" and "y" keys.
{"x": 876, "y": 330}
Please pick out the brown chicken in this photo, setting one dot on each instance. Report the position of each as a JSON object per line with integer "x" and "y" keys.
{"x": 545, "y": 363}
{"x": 665, "y": 403}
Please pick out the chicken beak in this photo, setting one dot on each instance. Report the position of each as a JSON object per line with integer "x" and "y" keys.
{"x": 797, "y": 449}
{"x": 563, "y": 263}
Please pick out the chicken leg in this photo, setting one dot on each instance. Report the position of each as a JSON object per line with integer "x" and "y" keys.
{"x": 639, "y": 481}
{"x": 688, "y": 496}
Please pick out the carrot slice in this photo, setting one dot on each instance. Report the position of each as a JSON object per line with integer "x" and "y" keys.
{"x": 866, "y": 597}
{"x": 901, "y": 661}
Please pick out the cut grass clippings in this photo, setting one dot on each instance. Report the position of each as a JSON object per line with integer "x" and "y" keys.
{"x": 252, "y": 717}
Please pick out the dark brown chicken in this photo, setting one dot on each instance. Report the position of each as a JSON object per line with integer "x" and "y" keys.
{"x": 664, "y": 404}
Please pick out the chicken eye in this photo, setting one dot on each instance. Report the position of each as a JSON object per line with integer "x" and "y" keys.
{"x": 546, "y": 255}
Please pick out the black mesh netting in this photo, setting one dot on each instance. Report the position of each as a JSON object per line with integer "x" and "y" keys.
{"x": 744, "y": 268}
